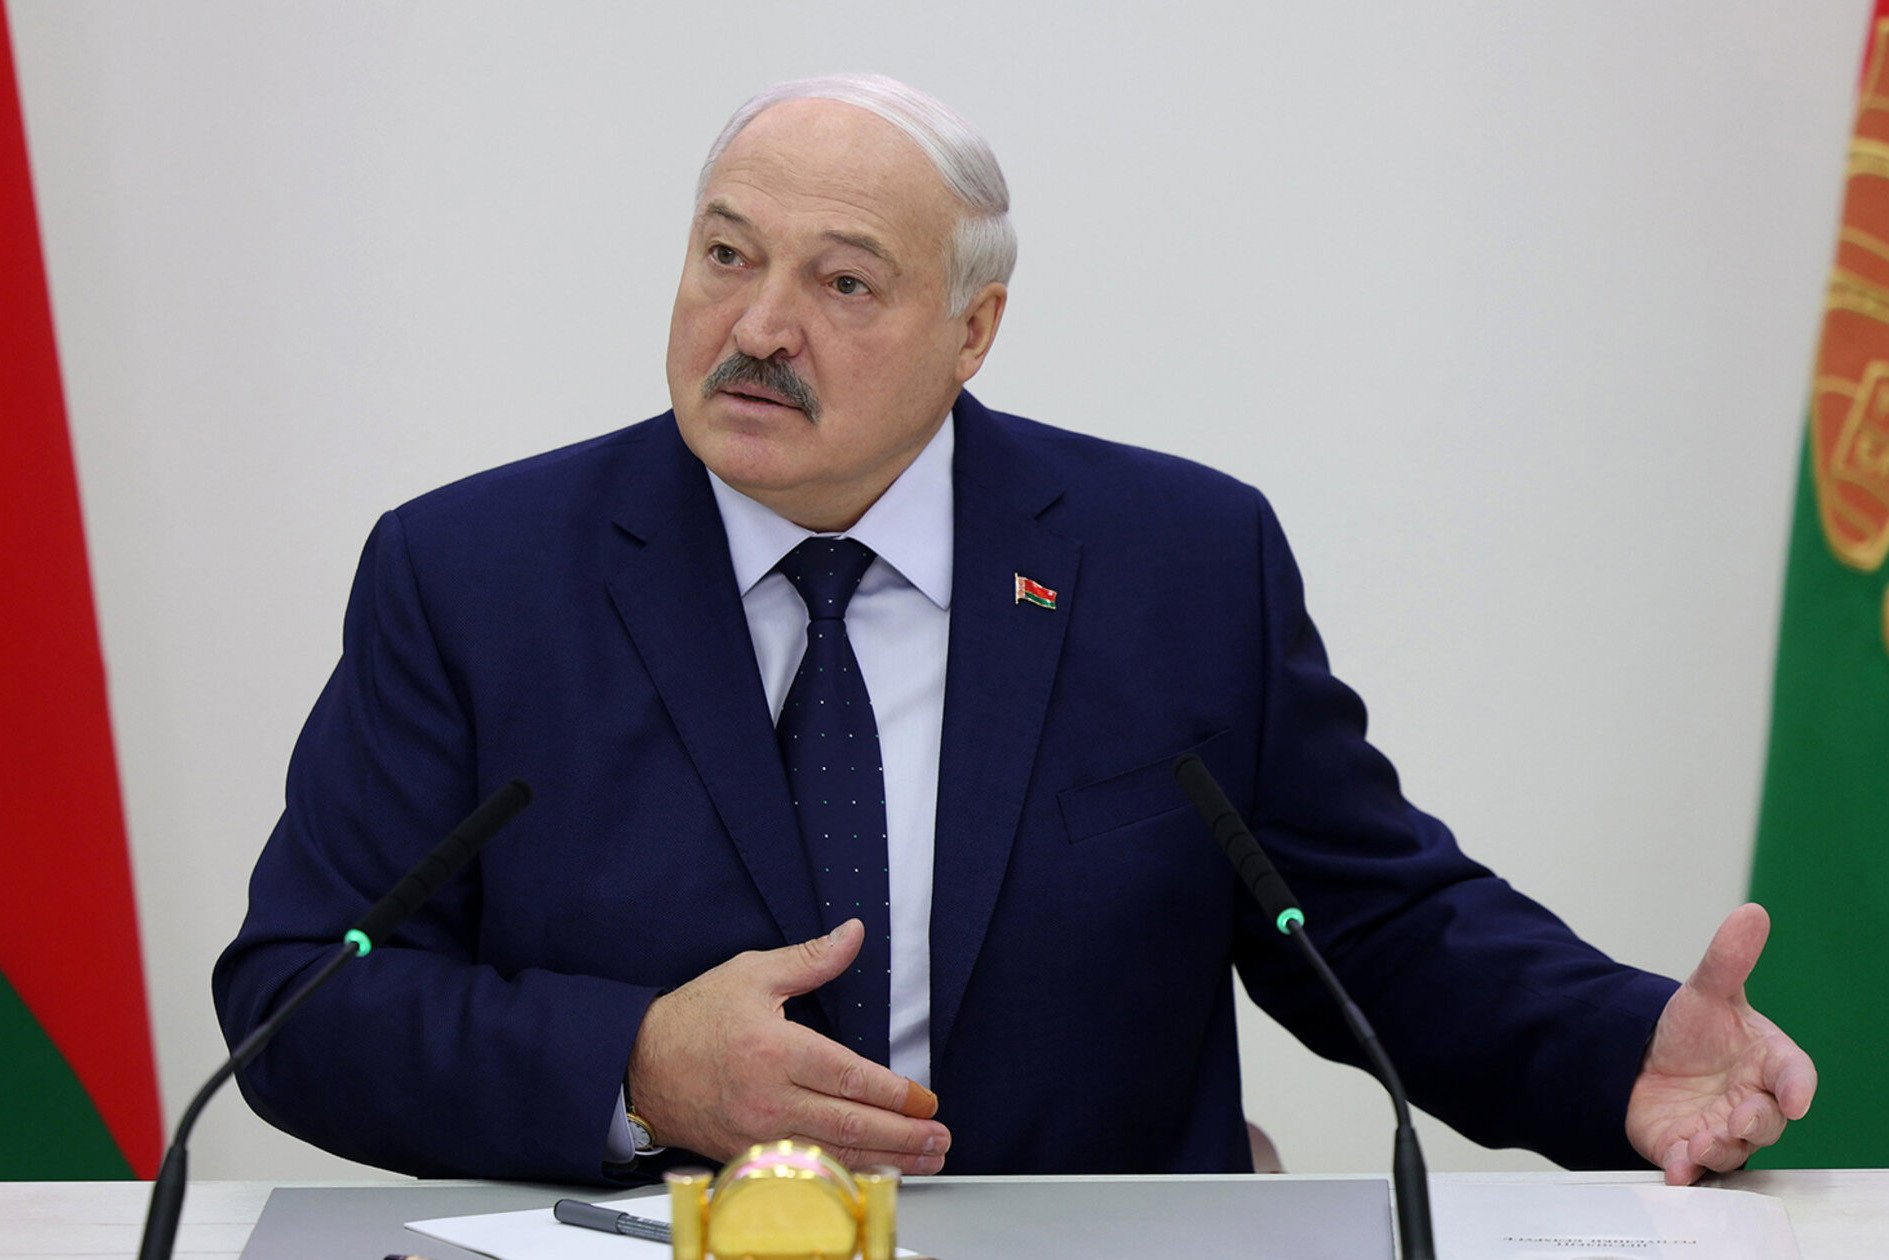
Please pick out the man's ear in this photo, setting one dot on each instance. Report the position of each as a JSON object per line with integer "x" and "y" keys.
{"x": 979, "y": 321}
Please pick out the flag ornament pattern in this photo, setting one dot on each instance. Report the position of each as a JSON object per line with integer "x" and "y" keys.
{"x": 1035, "y": 592}
{"x": 1821, "y": 863}
{"x": 1849, "y": 404}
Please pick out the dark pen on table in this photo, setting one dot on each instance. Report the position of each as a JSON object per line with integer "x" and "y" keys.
{"x": 590, "y": 1216}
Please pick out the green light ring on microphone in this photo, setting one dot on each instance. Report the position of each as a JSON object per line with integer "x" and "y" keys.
{"x": 1287, "y": 918}
{"x": 358, "y": 939}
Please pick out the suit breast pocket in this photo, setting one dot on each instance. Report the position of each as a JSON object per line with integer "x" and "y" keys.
{"x": 1095, "y": 810}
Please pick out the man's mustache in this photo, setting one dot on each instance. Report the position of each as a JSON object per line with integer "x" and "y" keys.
{"x": 769, "y": 374}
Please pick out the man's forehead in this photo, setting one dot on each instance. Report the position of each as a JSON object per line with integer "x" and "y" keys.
{"x": 817, "y": 120}
{"x": 831, "y": 148}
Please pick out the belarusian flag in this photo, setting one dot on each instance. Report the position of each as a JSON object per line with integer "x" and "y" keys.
{"x": 78, "y": 1094}
{"x": 1035, "y": 592}
{"x": 1822, "y": 864}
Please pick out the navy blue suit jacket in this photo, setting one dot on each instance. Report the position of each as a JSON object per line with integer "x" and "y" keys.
{"x": 573, "y": 620}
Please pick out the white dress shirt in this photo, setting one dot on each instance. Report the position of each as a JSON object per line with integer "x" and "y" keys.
{"x": 899, "y": 623}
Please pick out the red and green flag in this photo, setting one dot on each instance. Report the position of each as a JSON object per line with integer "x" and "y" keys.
{"x": 1822, "y": 861}
{"x": 78, "y": 1092}
{"x": 1035, "y": 592}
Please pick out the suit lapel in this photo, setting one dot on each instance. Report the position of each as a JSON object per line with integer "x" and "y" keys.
{"x": 674, "y": 588}
{"x": 1001, "y": 667}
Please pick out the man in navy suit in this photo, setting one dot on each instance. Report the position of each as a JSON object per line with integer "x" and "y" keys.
{"x": 653, "y": 955}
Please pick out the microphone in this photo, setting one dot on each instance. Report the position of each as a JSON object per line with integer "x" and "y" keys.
{"x": 1262, "y": 879}
{"x": 458, "y": 848}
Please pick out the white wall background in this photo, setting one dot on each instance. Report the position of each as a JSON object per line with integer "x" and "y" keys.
{"x": 1509, "y": 305}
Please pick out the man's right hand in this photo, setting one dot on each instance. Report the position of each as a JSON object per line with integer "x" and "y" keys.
{"x": 717, "y": 1067}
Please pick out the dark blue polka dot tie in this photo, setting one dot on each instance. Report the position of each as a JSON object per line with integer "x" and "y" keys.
{"x": 830, "y": 745}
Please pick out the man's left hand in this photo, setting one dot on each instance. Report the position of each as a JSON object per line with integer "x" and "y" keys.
{"x": 1719, "y": 1080}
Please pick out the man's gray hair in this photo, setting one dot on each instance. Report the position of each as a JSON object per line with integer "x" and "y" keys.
{"x": 984, "y": 248}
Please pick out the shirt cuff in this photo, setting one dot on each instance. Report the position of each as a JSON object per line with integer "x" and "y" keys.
{"x": 618, "y": 1146}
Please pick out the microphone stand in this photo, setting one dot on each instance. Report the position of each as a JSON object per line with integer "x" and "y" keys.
{"x": 1408, "y": 1175}
{"x": 167, "y": 1192}
{"x": 458, "y": 848}
{"x": 1262, "y": 879}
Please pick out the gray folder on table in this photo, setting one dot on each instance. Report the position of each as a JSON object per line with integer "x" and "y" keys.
{"x": 1260, "y": 1218}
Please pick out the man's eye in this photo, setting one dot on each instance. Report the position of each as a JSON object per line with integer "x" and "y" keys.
{"x": 847, "y": 286}
{"x": 724, "y": 255}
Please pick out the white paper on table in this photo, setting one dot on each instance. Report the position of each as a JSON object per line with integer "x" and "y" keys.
{"x": 1506, "y": 1220}
{"x": 534, "y": 1234}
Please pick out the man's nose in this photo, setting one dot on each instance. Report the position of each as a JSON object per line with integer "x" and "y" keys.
{"x": 771, "y": 324}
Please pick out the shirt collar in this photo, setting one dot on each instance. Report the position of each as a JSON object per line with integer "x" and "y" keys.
{"x": 910, "y": 527}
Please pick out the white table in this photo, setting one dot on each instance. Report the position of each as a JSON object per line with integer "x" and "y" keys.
{"x": 1837, "y": 1215}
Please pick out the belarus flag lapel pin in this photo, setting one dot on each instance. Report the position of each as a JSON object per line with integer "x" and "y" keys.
{"x": 1035, "y": 592}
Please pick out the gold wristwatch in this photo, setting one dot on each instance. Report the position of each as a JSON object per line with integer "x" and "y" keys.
{"x": 642, "y": 1137}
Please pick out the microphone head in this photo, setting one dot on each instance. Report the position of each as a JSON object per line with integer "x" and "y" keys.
{"x": 457, "y": 849}
{"x": 1255, "y": 869}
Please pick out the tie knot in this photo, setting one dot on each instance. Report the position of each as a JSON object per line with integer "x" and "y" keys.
{"x": 826, "y": 572}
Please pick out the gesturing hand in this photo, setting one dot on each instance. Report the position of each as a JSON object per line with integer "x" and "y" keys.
{"x": 1719, "y": 1080}
{"x": 717, "y": 1067}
